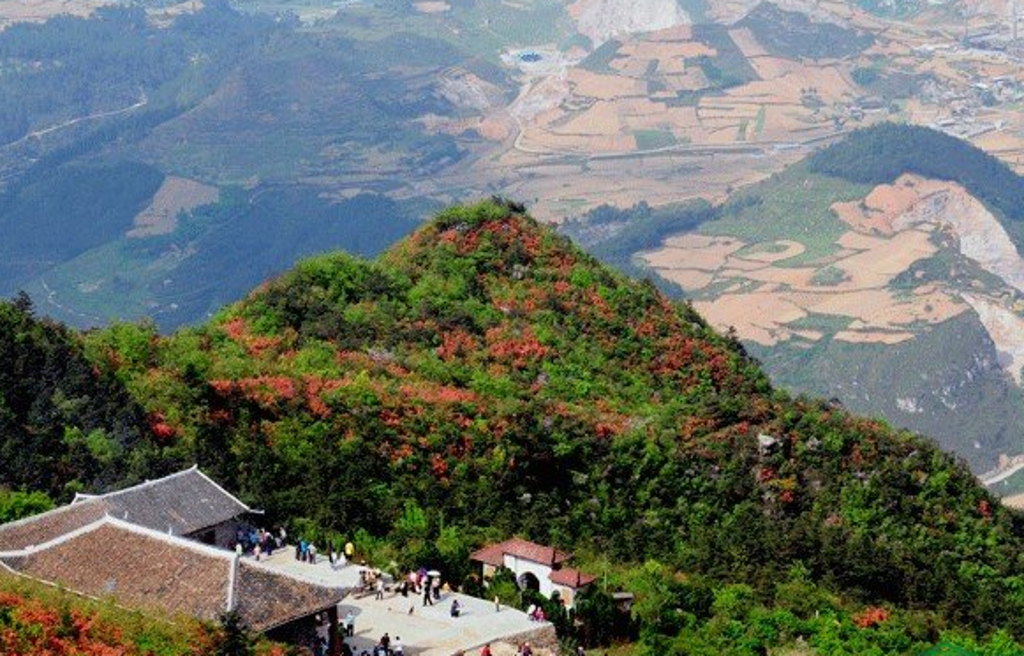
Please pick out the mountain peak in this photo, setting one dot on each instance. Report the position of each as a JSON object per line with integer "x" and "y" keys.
{"x": 487, "y": 370}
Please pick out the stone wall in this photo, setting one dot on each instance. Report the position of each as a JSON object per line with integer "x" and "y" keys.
{"x": 542, "y": 639}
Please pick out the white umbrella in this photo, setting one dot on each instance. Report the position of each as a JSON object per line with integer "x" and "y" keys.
{"x": 434, "y": 573}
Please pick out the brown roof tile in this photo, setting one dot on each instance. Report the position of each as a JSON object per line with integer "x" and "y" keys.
{"x": 266, "y": 599}
{"x": 49, "y": 525}
{"x": 491, "y": 554}
{"x": 538, "y": 553}
{"x": 136, "y": 570}
{"x": 571, "y": 578}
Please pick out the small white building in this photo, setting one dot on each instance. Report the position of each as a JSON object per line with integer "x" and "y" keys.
{"x": 536, "y": 567}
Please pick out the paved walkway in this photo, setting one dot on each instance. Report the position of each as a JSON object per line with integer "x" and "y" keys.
{"x": 426, "y": 630}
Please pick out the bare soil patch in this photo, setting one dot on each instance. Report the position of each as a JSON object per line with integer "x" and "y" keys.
{"x": 861, "y": 337}
{"x": 174, "y": 196}
{"x": 604, "y": 87}
{"x": 38, "y": 11}
{"x": 434, "y": 7}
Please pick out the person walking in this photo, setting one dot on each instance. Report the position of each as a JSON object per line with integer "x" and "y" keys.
{"x": 380, "y": 588}
{"x": 427, "y": 597}
{"x": 398, "y": 649}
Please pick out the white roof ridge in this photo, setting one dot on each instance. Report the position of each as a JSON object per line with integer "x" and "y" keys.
{"x": 198, "y": 547}
{"x": 108, "y": 519}
{"x": 232, "y": 578}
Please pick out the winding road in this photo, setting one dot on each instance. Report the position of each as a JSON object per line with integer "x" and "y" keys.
{"x": 36, "y": 134}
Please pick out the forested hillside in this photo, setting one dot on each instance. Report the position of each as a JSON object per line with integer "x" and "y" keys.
{"x": 485, "y": 377}
{"x": 64, "y": 426}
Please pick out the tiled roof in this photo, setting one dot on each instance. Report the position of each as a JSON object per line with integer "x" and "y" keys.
{"x": 49, "y": 525}
{"x": 267, "y": 599}
{"x": 138, "y": 571}
{"x": 571, "y": 578}
{"x": 181, "y": 503}
{"x": 491, "y": 554}
{"x": 524, "y": 549}
{"x": 142, "y": 568}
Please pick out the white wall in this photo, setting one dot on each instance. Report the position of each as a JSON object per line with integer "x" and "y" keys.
{"x": 520, "y": 567}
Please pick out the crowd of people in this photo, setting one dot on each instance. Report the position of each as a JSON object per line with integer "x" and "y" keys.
{"x": 258, "y": 542}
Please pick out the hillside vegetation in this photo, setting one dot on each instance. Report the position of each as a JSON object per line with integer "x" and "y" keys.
{"x": 485, "y": 377}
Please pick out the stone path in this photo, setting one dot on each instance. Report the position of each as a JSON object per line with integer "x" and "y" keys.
{"x": 427, "y": 630}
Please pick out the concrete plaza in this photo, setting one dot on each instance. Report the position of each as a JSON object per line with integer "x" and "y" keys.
{"x": 424, "y": 630}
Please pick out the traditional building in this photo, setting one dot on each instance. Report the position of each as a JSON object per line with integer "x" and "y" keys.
{"x": 186, "y": 504}
{"x": 536, "y": 567}
{"x": 157, "y": 546}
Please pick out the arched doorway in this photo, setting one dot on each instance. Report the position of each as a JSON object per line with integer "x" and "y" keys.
{"x": 528, "y": 581}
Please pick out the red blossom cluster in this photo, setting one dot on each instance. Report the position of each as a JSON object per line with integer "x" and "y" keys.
{"x": 162, "y": 431}
{"x": 40, "y": 631}
{"x": 314, "y": 387}
{"x": 522, "y": 348}
{"x": 437, "y": 394}
{"x": 269, "y": 389}
{"x": 456, "y": 343}
{"x": 238, "y": 330}
{"x": 871, "y": 616}
{"x": 511, "y": 232}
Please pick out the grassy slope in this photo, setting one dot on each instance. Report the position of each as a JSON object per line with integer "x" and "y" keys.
{"x": 216, "y": 255}
{"x": 290, "y": 104}
{"x": 775, "y": 211}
